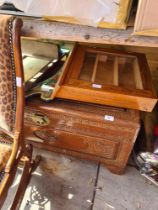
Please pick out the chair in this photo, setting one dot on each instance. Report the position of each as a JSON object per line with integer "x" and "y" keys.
{"x": 13, "y": 149}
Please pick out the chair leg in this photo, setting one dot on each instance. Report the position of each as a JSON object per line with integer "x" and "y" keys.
{"x": 6, "y": 183}
{"x": 29, "y": 167}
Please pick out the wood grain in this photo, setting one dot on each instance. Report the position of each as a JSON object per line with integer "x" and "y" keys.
{"x": 76, "y": 33}
{"x": 95, "y": 68}
{"x": 112, "y": 99}
{"x": 116, "y": 77}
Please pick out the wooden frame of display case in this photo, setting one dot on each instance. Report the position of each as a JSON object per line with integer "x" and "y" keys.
{"x": 141, "y": 97}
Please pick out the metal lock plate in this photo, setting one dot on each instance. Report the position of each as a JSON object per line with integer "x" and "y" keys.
{"x": 36, "y": 118}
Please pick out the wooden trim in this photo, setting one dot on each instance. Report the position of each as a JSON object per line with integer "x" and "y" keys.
{"x": 124, "y": 11}
{"x": 95, "y": 69}
{"x": 145, "y": 74}
{"x": 137, "y": 75}
{"x": 64, "y": 73}
{"x": 108, "y": 98}
{"x": 15, "y": 149}
{"x": 41, "y": 29}
{"x": 79, "y": 59}
{"x": 109, "y": 51}
{"x": 19, "y": 121}
{"x": 111, "y": 89}
{"x": 17, "y": 24}
{"x": 116, "y": 74}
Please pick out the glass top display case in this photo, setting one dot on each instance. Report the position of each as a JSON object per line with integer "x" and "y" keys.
{"x": 109, "y": 77}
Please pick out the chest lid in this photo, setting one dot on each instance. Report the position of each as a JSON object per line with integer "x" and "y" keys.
{"x": 85, "y": 113}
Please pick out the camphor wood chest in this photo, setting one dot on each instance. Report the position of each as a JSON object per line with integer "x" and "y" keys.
{"x": 88, "y": 131}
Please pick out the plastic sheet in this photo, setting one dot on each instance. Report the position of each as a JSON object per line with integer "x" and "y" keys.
{"x": 89, "y": 12}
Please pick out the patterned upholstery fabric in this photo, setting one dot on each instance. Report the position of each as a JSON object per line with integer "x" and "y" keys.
{"x": 5, "y": 151}
{"x": 5, "y": 138}
{"x": 7, "y": 75}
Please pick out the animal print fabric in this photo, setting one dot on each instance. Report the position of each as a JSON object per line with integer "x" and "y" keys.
{"x": 5, "y": 152}
{"x": 7, "y": 75}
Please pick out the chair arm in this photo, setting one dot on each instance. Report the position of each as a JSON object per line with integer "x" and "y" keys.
{"x": 15, "y": 150}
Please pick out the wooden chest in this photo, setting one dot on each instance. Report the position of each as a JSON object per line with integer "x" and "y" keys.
{"x": 94, "y": 132}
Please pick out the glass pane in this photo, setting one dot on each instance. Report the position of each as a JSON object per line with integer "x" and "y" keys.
{"x": 104, "y": 74}
{"x": 111, "y": 69}
{"x": 32, "y": 66}
{"x": 129, "y": 73}
{"x": 87, "y": 67}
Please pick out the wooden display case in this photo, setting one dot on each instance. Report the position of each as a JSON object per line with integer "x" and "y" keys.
{"x": 108, "y": 77}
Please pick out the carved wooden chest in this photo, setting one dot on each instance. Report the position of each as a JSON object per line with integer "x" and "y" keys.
{"x": 94, "y": 132}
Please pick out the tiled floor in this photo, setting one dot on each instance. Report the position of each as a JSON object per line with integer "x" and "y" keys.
{"x": 65, "y": 183}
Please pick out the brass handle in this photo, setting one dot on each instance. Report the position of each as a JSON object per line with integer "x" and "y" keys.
{"x": 45, "y": 135}
{"x": 41, "y": 119}
{"x": 36, "y": 118}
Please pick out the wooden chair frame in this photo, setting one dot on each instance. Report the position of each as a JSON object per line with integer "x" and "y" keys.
{"x": 20, "y": 151}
